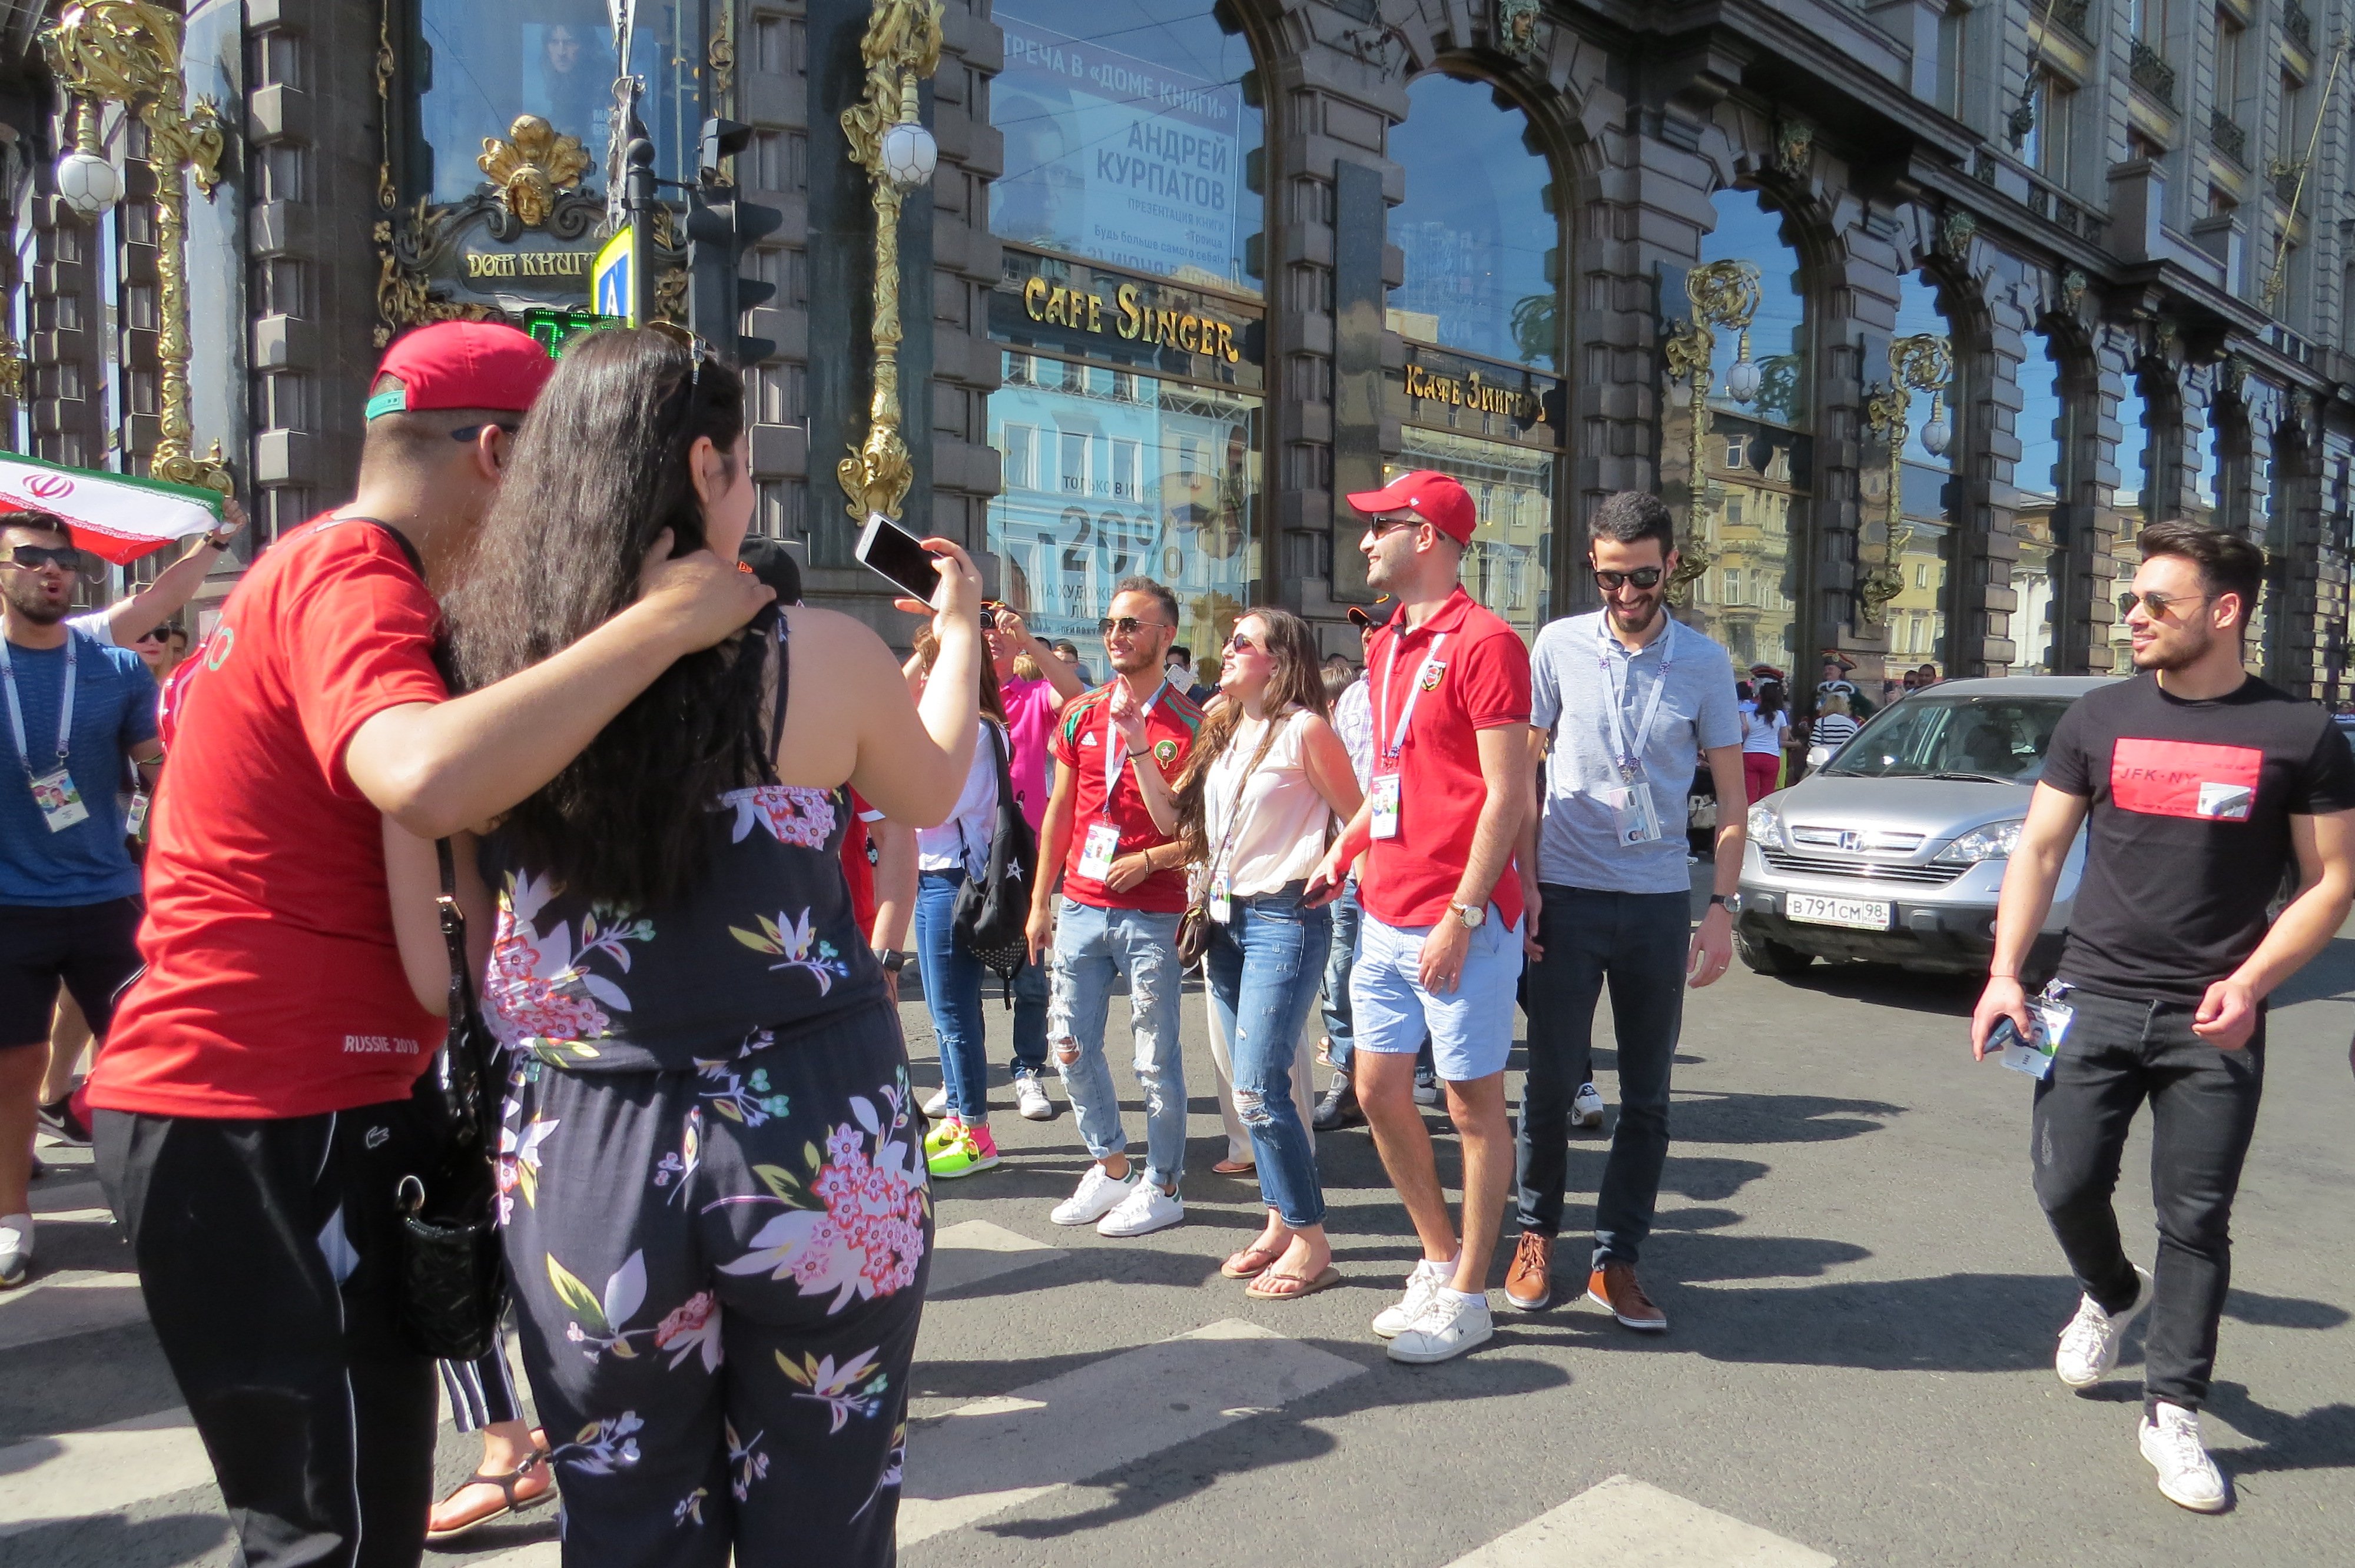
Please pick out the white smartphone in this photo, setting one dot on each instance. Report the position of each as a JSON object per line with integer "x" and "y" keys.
{"x": 895, "y": 554}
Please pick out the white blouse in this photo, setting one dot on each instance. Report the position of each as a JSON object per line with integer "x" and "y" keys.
{"x": 1281, "y": 822}
{"x": 962, "y": 843}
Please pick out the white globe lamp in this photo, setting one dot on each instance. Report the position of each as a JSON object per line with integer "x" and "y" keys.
{"x": 1742, "y": 380}
{"x": 88, "y": 182}
{"x": 910, "y": 153}
{"x": 1938, "y": 433}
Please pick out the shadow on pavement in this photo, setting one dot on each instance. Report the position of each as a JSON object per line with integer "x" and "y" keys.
{"x": 2321, "y": 1440}
{"x": 1888, "y": 985}
{"x": 2282, "y": 1312}
{"x": 107, "y": 1539}
{"x": 1700, "y": 1258}
{"x": 1954, "y": 1322}
{"x": 1700, "y": 1117}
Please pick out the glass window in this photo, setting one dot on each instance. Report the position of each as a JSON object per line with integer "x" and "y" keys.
{"x": 2050, "y": 142}
{"x": 2000, "y": 738}
{"x": 1477, "y": 226}
{"x": 482, "y": 66}
{"x": 2036, "y": 577}
{"x": 1510, "y": 574}
{"x": 2127, "y": 508}
{"x": 1923, "y": 542}
{"x": 1128, "y": 139}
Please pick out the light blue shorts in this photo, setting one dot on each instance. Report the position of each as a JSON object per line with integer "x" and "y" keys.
{"x": 1470, "y": 1028}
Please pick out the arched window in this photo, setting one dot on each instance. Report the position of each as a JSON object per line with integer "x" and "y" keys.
{"x": 1756, "y": 455}
{"x": 1924, "y": 539}
{"x": 1480, "y": 311}
{"x": 2037, "y": 479}
{"x": 1131, "y": 208}
{"x": 2129, "y": 505}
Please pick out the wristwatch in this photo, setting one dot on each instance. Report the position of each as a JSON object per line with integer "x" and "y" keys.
{"x": 893, "y": 960}
{"x": 1730, "y": 901}
{"x": 1469, "y": 914}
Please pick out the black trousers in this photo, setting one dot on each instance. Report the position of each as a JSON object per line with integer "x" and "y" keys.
{"x": 1635, "y": 944}
{"x": 2204, "y": 1107}
{"x": 266, "y": 1253}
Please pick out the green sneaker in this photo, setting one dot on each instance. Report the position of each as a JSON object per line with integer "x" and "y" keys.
{"x": 944, "y": 1132}
{"x": 975, "y": 1150}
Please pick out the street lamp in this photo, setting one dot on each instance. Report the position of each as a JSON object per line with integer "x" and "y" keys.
{"x": 1722, "y": 294}
{"x": 902, "y": 45}
{"x": 1921, "y": 363}
{"x": 128, "y": 52}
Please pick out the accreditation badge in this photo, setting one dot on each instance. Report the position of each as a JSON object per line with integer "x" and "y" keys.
{"x": 1384, "y": 797}
{"x": 60, "y": 801}
{"x": 1095, "y": 854}
{"x": 1634, "y": 819}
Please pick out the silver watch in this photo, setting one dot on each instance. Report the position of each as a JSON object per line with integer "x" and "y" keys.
{"x": 1470, "y": 915}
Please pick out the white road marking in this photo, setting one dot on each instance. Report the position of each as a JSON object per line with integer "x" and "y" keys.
{"x": 994, "y": 1455}
{"x": 75, "y": 1475}
{"x": 974, "y": 1250}
{"x": 56, "y": 1306}
{"x": 1624, "y": 1523}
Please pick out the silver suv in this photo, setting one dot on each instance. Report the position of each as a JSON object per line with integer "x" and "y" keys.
{"x": 1894, "y": 850}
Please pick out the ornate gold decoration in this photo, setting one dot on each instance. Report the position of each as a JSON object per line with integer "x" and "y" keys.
{"x": 670, "y": 296}
{"x": 128, "y": 52}
{"x": 402, "y": 297}
{"x": 1722, "y": 294}
{"x": 1794, "y": 144}
{"x": 386, "y": 197}
{"x": 720, "y": 56}
{"x": 14, "y": 368}
{"x": 1921, "y": 363}
{"x": 902, "y": 45}
{"x": 531, "y": 166}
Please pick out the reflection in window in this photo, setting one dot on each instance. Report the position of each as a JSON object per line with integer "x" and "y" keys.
{"x": 2036, "y": 577}
{"x": 1162, "y": 483}
{"x": 1127, "y": 138}
{"x": 2127, "y": 509}
{"x": 1748, "y": 230}
{"x": 1508, "y": 576}
{"x": 1477, "y": 226}
{"x": 484, "y": 65}
{"x": 1924, "y": 539}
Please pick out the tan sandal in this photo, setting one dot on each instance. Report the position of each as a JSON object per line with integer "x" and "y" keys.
{"x": 1253, "y": 1260}
{"x": 1234, "y": 1168}
{"x": 510, "y": 1503}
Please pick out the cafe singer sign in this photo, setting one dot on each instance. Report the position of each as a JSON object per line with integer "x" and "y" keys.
{"x": 1479, "y": 398}
{"x": 1066, "y": 306}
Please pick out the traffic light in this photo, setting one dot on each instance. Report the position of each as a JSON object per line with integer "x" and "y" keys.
{"x": 721, "y": 228}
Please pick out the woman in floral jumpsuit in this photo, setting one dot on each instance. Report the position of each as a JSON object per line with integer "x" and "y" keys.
{"x": 712, "y": 1172}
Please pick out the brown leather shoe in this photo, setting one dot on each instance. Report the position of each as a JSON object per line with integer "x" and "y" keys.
{"x": 1529, "y": 1285}
{"x": 1613, "y": 1287}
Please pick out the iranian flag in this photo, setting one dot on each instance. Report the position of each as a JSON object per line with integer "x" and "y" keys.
{"x": 117, "y": 516}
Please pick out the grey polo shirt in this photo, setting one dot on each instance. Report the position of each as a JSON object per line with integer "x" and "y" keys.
{"x": 1577, "y": 669}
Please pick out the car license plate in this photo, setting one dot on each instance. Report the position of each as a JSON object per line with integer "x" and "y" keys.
{"x": 1858, "y": 913}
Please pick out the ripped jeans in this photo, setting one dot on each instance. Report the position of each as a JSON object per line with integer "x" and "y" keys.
{"x": 1093, "y": 947}
{"x": 1264, "y": 965}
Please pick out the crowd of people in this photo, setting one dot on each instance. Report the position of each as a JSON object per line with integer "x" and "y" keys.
{"x": 537, "y": 672}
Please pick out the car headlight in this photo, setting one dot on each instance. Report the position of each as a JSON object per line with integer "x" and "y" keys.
{"x": 1766, "y": 825}
{"x": 1993, "y": 842}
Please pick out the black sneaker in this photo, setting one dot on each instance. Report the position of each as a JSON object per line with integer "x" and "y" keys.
{"x": 60, "y": 1121}
{"x": 1338, "y": 1109}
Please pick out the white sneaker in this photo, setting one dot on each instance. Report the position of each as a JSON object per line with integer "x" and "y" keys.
{"x": 1146, "y": 1209}
{"x": 15, "y": 1250}
{"x": 2089, "y": 1345}
{"x": 1586, "y": 1106}
{"x": 938, "y": 1103}
{"x": 1393, "y": 1321}
{"x": 1095, "y": 1197}
{"x": 1450, "y": 1325}
{"x": 1031, "y": 1099}
{"x": 2187, "y": 1478}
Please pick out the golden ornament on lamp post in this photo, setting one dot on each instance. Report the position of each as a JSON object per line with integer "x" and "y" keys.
{"x": 1722, "y": 294}
{"x": 902, "y": 47}
{"x": 128, "y": 52}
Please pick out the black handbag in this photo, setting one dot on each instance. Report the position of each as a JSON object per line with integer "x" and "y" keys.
{"x": 453, "y": 1274}
{"x": 991, "y": 918}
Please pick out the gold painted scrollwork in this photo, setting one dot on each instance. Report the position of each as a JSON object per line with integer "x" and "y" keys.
{"x": 1722, "y": 294}
{"x": 15, "y": 368}
{"x": 531, "y": 166}
{"x": 1921, "y": 363}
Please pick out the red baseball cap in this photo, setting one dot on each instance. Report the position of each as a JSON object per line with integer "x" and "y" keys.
{"x": 1430, "y": 495}
{"x": 459, "y": 365}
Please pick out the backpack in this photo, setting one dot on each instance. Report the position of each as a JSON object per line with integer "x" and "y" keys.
{"x": 993, "y": 912}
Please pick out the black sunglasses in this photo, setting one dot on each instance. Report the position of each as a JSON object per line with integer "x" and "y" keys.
{"x": 32, "y": 557}
{"x": 1642, "y": 576}
{"x": 469, "y": 432}
{"x": 2154, "y": 604}
{"x": 1126, "y": 625}
{"x": 1239, "y": 644}
{"x": 1380, "y": 526}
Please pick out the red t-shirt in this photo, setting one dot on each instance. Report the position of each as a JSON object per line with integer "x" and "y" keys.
{"x": 1478, "y": 679}
{"x": 857, "y": 869}
{"x": 273, "y": 988}
{"x": 1079, "y": 745}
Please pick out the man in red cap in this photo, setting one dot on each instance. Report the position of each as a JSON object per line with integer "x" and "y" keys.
{"x": 1440, "y": 949}
{"x": 254, "y": 1111}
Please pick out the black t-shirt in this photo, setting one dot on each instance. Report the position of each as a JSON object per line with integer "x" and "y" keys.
{"x": 2189, "y": 827}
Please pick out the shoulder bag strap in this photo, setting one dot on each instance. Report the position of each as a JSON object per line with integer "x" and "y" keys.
{"x": 465, "y": 1012}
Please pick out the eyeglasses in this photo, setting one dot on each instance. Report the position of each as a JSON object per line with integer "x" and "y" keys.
{"x": 469, "y": 432}
{"x": 1239, "y": 644}
{"x": 1382, "y": 526}
{"x": 1124, "y": 626}
{"x": 2154, "y": 605}
{"x": 32, "y": 557}
{"x": 1642, "y": 576}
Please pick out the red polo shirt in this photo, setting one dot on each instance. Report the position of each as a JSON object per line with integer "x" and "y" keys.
{"x": 1082, "y": 731}
{"x": 1473, "y": 672}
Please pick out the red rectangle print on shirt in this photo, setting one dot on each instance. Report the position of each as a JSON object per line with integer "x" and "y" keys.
{"x": 2185, "y": 779}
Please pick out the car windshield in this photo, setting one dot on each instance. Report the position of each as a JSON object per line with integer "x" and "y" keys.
{"x": 2001, "y": 740}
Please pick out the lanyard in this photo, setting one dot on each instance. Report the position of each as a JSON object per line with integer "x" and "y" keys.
{"x": 1390, "y": 668}
{"x": 1117, "y": 750}
{"x": 1616, "y": 669}
{"x": 16, "y": 710}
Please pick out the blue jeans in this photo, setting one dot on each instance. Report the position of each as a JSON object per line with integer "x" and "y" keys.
{"x": 1341, "y": 958}
{"x": 1093, "y": 947}
{"x": 1262, "y": 967}
{"x": 953, "y": 978}
{"x": 1030, "y": 1023}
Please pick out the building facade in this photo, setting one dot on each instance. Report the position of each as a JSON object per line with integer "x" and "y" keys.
{"x": 1916, "y": 312}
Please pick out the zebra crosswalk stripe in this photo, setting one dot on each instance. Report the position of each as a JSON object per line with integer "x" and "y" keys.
{"x": 1624, "y": 1523}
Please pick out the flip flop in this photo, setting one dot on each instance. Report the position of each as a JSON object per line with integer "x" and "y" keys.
{"x": 506, "y": 1482}
{"x": 1266, "y": 1256}
{"x": 1234, "y": 1168}
{"x": 1330, "y": 1278}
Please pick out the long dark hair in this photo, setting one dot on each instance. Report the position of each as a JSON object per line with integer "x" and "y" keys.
{"x": 600, "y": 469}
{"x": 1297, "y": 681}
{"x": 1770, "y": 698}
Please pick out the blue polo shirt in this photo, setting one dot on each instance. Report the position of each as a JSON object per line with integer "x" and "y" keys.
{"x": 114, "y": 710}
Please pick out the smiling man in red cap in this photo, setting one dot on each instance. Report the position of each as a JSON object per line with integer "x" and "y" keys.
{"x": 1440, "y": 947}
{"x": 254, "y": 1111}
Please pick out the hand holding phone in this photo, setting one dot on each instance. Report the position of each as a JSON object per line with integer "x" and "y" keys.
{"x": 939, "y": 578}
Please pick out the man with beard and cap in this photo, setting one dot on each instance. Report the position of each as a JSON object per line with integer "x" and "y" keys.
{"x": 1438, "y": 947}
{"x": 253, "y": 1110}
{"x": 80, "y": 711}
{"x": 2198, "y": 787}
{"x": 1627, "y": 700}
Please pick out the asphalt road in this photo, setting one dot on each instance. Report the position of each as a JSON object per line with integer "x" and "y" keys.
{"x": 1863, "y": 1300}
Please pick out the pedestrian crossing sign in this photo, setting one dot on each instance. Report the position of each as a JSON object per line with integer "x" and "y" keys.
{"x": 609, "y": 276}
